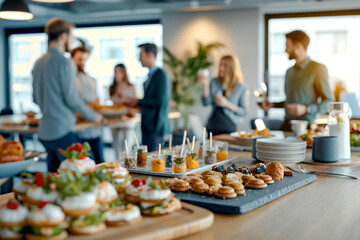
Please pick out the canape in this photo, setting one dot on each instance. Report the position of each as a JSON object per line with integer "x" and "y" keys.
{"x": 12, "y": 220}
{"x": 119, "y": 176}
{"x": 134, "y": 189}
{"x": 77, "y": 159}
{"x": 121, "y": 215}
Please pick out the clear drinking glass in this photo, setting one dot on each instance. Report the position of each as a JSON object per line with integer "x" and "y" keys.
{"x": 221, "y": 149}
{"x": 142, "y": 155}
{"x": 130, "y": 160}
{"x": 210, "y": 156}
{"x": 192, "y": 160}
{"x": 179, "y": 164}
{"x": 158, "y": 163}
{"x": 169, "y": 155}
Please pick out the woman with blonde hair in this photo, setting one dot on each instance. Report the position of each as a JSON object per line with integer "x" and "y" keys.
{"x": 227, "y": 94}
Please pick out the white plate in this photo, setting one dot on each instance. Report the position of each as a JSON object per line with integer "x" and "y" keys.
{"x": 275, "y": 142}
{"x": 247, "y": 141}
{"x": 285, "y": 152}
{"x": 13, "y": 168}
{"x": 280, "y": 148}
{"x": 294, "y": 158}
{"x": 265, "y": 160}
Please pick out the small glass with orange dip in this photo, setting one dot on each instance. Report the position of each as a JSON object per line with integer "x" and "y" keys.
{"x": 158, "y": 163}
{"x": 192, "y": 160}
{"x": 221, "y": 149}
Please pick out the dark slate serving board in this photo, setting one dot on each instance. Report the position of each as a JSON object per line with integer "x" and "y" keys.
{"x": 253, "y": 199}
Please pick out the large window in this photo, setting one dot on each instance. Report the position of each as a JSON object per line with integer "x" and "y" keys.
{"x": 110, "y": 45}
{"x": 334, "y": 41}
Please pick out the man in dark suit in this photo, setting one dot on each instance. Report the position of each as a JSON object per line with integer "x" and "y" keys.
{"x": 155, "y": 105}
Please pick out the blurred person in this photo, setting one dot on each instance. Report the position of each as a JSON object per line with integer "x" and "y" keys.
{"x": 155, "y": 105}
{"x": 54, "y": 90}
{"x": 227, "y": 94}
{"x": 86, "y": 88}
{"x": 121, "y": 88}
{"x": 307, "y": 86}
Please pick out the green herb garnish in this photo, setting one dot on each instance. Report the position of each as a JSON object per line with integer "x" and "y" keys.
{"x": 179, "y": 161}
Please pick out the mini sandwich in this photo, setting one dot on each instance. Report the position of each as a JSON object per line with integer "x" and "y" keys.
{"x": 43, "y": 190}
{"x": 119, "y": 176}
{"x": 22, "y": 186}
{"x": 121, "y": 215}
{"x": 47, "y": 222}
{"x": 79, "y": 202}
{"x": 134, "y": 189}
{"x": 12, "y": 220}
{"x": 105, "y": 194}
{"x": 158, "y": 199}
{"x": 11, "y": 152}
{"x": 77, "y": 159}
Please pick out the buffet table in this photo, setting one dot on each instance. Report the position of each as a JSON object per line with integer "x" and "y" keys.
{"x": 325, "y": 209}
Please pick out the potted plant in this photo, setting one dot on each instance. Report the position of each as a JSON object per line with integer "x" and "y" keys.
{"x": 184, "y": 77}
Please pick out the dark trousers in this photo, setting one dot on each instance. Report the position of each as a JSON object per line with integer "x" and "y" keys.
{"x": 97, "y": 148}
{"x": 152, "y": 140}
{"x": 53, "y": 156}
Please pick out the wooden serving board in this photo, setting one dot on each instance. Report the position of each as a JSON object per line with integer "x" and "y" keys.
{"x": 253, "y": 199}
{"x": 190, "y": 219}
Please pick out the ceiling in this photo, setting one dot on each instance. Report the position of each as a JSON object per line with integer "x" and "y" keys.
{"x": 103, "y": 6}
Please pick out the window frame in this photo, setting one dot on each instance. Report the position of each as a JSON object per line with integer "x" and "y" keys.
{"x": 37, "y": 29}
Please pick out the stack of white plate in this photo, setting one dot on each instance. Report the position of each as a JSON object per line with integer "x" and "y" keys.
{"x": 281, "y": 150}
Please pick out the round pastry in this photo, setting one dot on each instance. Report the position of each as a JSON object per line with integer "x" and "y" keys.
{"x": 21, "y": 188}
{"x": 171, "y": 181}
{"x": 180, "y": 186}
{"x": 134, "y": 189}
{"x": 256, "y": 183}
{"x": 207, "y": 173}
{"x": 77, "y": 159}
{"x": 88, "y": 224}
{"x": 166, "y": 207}
{"x": 157, "y": 192}
{"x": 217, "y": 168}
{"x": 12, "y": 220}
{"x": 78, "y": 205}
{"x": 43, "y": 190}
{"x": 121, "y": 215}
{"x": 230, "y": 176}
{"x": 225, "y": 192}
{"x": 211, "y": 181}
{"x": 246, "y": 178}
{"x": 267, "y": 179}
{"x": 275, "y": 170}
{"x": 105, "y": 192}
{"x": 238, "y": 187}
{"x": 11, "y": 152}
{"x": 198, "y": 175}
{"x": 213, "y": 189}
{"x": 119, "y": 176}
{"x": 200, "y": 188}
{"x": 239, "y": 175}
{"x": 195, "y": 180}
{"x": 206, "y": 177}
{"x": 47, "y": 221}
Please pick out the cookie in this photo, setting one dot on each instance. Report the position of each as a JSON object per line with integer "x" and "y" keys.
{"x": 288, "y": 173}
{"x": 238, "y": 187}
{"x": 258, "y": 168}
{"x": 198, "y": 175}
{"x": 243, "y": 170}
{"x": 275, "y": 170}
{"x": 213, "y": 189}
{"x": 200, "y": 188}
{"x": 211, "y": 181}
{"x": 256, "y": 183}
{"x": 239, "y": 175}
{"x": 170, "y": 182}
{"x": 180, "y": 186}
{"x": 229, "y": 176}
{"x": 246, "y": 178}
{"x": 267, "y": 179}
{"x": 195, "y": 180}
{"x": 226, "y": 192}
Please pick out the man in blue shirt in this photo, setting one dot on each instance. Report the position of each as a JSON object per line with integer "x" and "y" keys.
{"x": 155, "y": 105}
{"x": 54, "y": 90}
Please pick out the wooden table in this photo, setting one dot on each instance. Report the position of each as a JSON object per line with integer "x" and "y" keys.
{"x": 329, "y": 208}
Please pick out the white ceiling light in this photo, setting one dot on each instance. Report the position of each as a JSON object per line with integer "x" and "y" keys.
{"x": 53, "y": 1}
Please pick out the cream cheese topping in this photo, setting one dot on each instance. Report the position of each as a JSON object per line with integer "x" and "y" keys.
{"x": 155, "y": 194}
{"x": 119, "y": 180}
{"x": 21, "y": 187}
{"x": 38, "y": 193}
{"x": 14, "y": 216}
{"x": 83, "y": 201}
{"x": 49, "y": 213}
{"x": 78, "y": 165}
{"x": 126, "y": 215}
{"x": 105, "y": 191}
{"x": 7, "y": 233}
{"x": 118, "y": 172}
{"x": 135, "y": 191}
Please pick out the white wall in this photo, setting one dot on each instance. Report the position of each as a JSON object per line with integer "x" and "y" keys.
{"x": 237, "y": 29}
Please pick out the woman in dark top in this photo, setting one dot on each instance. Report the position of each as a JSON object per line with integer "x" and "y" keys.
{"x": 227, "y": 94}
